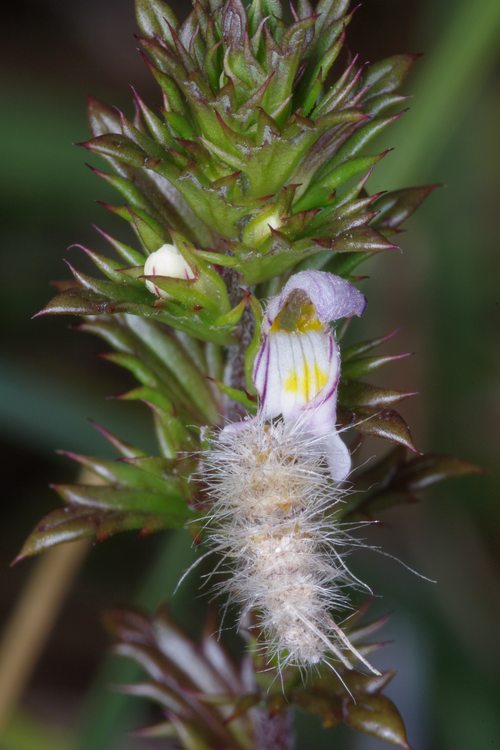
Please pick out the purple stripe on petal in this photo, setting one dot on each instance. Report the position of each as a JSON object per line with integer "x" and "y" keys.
{"x": 262, "y": 363}
{"x": 266, "y": 374}
{"x": 258, "y": 359}
{"x": 330, "y": 389}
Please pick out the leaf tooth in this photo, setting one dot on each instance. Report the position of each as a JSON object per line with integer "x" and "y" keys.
{"x": 153, "y": 16}
{"x": 235, "y": 24}
{"x": 240, "y": 140}
{"x": 396, "y": 206}
{"x": 362, "y": 365}
{"x": 423, "y": 471}
{"x": 127, "y": 450}
{"x": 362, "y": 631}
{"x": 118, "y": 147}
{"x": 329, "y": 11}
{"x": 164, "y": 58}
{"x": 102, "y": 117}
{"x": 356, "y": 394}
{"x": 387, "y": 75}
{"x": 235, "y": 162}
{"x": 109, "y": 268}
{"x": 386, "y": 424}
{"x": 342, "y": 88}
{"x": 365, "y": 346}
{"x": 129, "y": 254}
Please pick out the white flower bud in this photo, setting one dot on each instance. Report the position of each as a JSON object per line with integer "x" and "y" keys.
{"x": 259, "y": 229}
{"x": 166, "y": 261}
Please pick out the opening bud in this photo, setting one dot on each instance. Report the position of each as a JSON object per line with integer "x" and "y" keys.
{"x": 259, "y": 228}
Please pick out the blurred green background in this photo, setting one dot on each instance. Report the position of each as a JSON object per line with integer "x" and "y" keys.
{"x": 442, "y": 293}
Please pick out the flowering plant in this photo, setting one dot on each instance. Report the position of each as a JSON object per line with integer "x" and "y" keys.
{"x": 247, "y": 197}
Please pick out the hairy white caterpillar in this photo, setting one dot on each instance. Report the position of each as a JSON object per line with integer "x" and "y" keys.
{"x": 274, "y": 519}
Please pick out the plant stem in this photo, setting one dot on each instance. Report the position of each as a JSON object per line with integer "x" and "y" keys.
{"x": 273, "y": 731}
{"x": 235, "y": 366}
{"x": 31, "y": 622}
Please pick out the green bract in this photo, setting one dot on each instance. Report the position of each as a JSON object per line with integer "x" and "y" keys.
{"x": 256, "y": 162}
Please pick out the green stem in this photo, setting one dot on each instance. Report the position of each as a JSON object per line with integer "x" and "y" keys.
{"x": 273, "y": 731}
{"x": 235, "y": 367}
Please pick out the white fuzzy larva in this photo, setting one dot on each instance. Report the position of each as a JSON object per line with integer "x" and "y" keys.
{"x": 273, "y": 518}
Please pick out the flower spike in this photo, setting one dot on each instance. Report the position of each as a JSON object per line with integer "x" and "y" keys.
{"x": 256, "y": 165}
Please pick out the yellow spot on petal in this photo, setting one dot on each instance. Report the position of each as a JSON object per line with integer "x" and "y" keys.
{"x": 306, "y": 382}
{"x": 297, "y": 315}
{"x": 308, "y": 320}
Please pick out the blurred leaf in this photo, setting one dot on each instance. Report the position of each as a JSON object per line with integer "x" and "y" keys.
{"x": 382, "y": 471}
{"x": 354, "y": 394}
{"x": 361, "y": 239}
{"x": 328, "y": 708}
{"x": 190, "y": 735}
{"x": 423, "y": 471}
{"x": 241, "y": 397}
{"x": 77, "y": 301}
{"x": 126, "y": 474}
{"x": 395, "y": 207}
{"x": 359, "y": 366}
{"x": 79, "y": 522}
{"x": 134, "y": 499}
{"x": 107, "y": 715}
{"x": 158, "y": 731}
{"x": 187, "y": 675}
{"x": 127, "y": 450}
{"x": 368, "y": 684}
{"x": 386, "y": 424}
{"x": 155, "y": 18}
{"x": 117, "y": 147}
{"x": 387, "y": 75}
{"x": 362, "y": 347}
{"x": 321, "y": 188}
{"x": 356, "y": 143}
{"x": 102, "y": 118}
{"x": 352, "y": 697}
{"x": 176, "y": 359}
{"x": 171, "y": 503}
{"x": 377, "y": 715}
{"x": 394, "y": 480}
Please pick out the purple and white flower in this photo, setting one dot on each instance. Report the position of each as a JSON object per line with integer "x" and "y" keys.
{"x": 297, "y": 368}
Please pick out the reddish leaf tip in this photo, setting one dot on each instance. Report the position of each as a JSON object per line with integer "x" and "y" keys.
{"x": 40, "y": 313}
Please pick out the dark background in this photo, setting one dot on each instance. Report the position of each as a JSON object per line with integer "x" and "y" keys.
{"x": 442, "y": 293}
